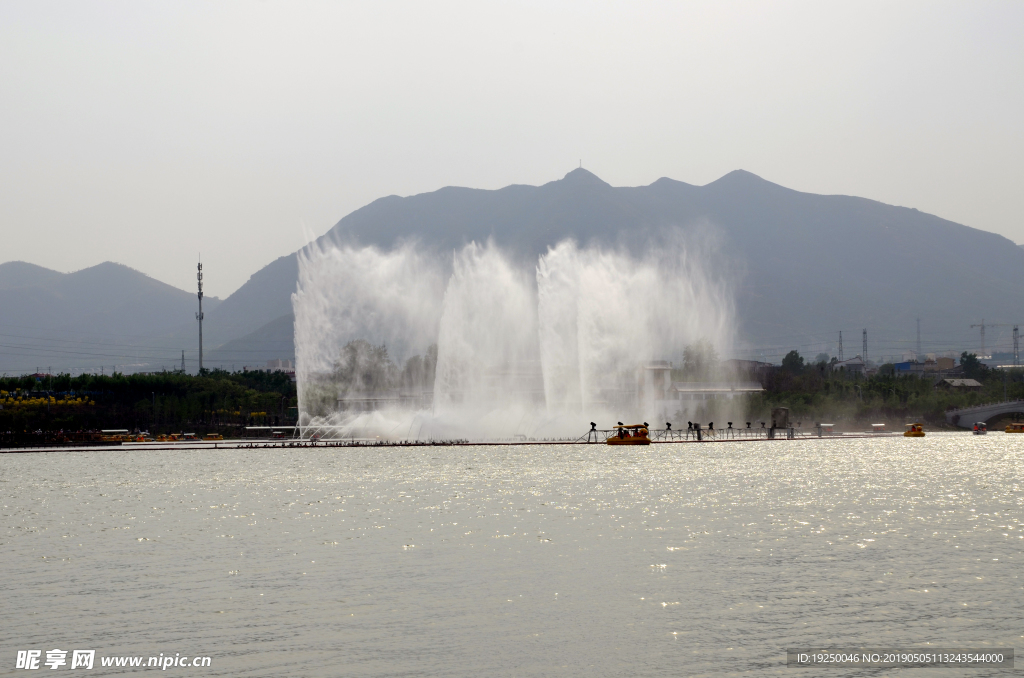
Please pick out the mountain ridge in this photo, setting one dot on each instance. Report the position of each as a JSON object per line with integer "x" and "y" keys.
{"x": 783, "y": 240}
{"x": 802, "y": 263}
{"x": 97, "y": 316}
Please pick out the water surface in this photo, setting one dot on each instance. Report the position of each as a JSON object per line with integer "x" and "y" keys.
{"x": 522, "y": 561}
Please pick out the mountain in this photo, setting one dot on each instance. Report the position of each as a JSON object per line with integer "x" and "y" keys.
{"x": 105, "y": 315}
{"x": 274, "y": 340}
{"x": 804, "y": 265}
{"x": 20, "y": 274}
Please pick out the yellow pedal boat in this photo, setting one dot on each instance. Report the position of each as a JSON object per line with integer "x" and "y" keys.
{"x": 633, "y": 434}
{"x": 914, "y": 431}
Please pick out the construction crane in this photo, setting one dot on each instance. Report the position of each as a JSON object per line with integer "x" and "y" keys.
{"x": 1016, "y": 351}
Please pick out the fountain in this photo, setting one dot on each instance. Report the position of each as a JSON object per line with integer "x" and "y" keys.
{"x": 408, "y": 344}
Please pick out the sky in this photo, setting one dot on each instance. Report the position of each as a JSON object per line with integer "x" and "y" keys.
{"x": 150, "y": 133}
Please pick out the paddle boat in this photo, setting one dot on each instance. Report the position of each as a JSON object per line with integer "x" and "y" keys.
{"x": 980, "y": 428}
{"x": 630, "y": 434}
{"x": 914, "y": 431}
{"x": 1015, "y": 427}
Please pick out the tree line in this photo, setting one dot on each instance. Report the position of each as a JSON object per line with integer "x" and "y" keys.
{"x": 814, "y": 392}
{"x": 164, "y": 402}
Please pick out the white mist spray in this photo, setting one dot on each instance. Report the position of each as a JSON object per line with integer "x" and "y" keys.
{"x": 345, "y": 293}
{"x": 487, "y": 354}
{"x": 519, "y": 352}
{"x": 604, "y": 314}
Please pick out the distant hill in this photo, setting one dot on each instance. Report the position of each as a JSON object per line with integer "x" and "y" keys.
{"x": 805, "y": 264}
{"x": 105, "y": 315}
{"x": 20, "y": 274}
{"x": 266, "y": 296}
{"x": 273, "y": 340}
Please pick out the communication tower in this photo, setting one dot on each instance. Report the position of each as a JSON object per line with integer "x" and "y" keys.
{"x": 919, "y": 338}
{"x": 199, "y": 315}
{"x": 840, "y": 346}
{"x": 864, "y": 348}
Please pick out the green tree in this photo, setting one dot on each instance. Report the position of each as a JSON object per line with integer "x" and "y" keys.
{"x": 973, "y": 368}
{"x": 793, "y": 362}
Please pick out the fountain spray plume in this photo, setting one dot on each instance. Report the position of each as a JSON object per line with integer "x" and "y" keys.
{"x": 350, "y": 303}
{"x": 519, "y": 352}
{"x": 489, "y": 375}
{"x": 606, "y": 314}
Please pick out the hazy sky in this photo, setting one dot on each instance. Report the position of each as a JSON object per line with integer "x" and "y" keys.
{"x": 143, "y": 133}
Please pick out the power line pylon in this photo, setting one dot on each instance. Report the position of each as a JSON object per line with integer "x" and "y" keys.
{"x": 983, "y": 325}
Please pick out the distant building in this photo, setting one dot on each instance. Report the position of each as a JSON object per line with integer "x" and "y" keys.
{"x": 280, "y": 366}
{"x": 364, "y": 402}
{"x": 958, "y": 385}
{"x": 931, "y": 366}
{"x": 754, "y": 368}
{"x": 712, "y": 390}
{"x": 285, "y": 366}
{"x": 683, "y": 399}
{"x": 658, "y": 396}
{"x": 852, "y": 366}
{"x": 655, "y": 380}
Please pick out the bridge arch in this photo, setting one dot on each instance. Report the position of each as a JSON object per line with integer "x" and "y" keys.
{"x": 966, "y": 417}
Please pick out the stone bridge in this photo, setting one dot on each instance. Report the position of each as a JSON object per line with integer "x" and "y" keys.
{"x": 966, "y": 417}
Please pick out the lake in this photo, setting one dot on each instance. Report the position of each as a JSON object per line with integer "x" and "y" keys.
{"x": 547, "y": 560}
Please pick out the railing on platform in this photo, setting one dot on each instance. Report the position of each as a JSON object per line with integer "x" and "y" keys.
{"x": 698, "y": 433}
